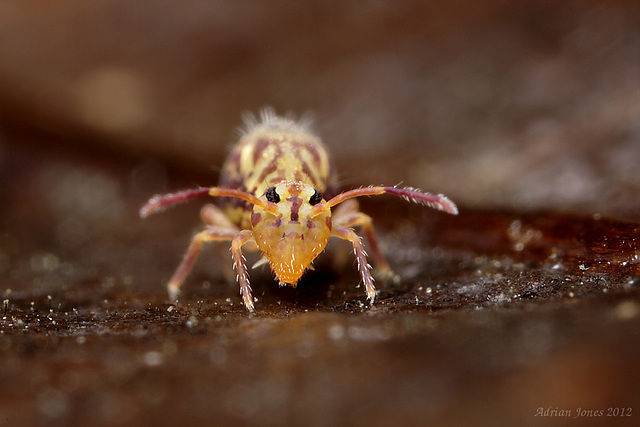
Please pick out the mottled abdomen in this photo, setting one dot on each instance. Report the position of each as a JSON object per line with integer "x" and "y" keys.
{"x": 270, "y": 151}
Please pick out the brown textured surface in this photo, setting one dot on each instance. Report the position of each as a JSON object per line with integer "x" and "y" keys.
{"x": 526, "y": 115}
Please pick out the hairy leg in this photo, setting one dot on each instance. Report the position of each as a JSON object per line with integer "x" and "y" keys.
{"x": 216, "y": 217}
{"x": 209, "y": 234}
{"x": 347, "y": 215}
{"x": 240, "y": 266}
{"x": 361, "y": 258}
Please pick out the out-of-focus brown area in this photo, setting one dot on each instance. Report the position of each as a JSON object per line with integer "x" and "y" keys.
{"x": 526, "y": 114}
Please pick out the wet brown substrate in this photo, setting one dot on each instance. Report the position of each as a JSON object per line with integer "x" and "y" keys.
{"x": 496, "y": 314}
{"x": 522, "y": 310}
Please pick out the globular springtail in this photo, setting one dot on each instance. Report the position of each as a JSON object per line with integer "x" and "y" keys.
{"x": 275, "y": 188}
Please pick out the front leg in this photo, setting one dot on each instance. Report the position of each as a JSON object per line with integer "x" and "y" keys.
{"x": 209, "y": 234}
{"x": 361, "y": 258}
{"x": 240, "y": 266}
{"x": 348, "y": 215}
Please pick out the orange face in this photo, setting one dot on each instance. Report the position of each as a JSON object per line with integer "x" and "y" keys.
{"x": 291, "y": 238}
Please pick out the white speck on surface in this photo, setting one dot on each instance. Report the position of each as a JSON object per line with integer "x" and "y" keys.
{"x": 193, "y": 321}
{"x": 44, "y": 262}
{"x": 153, "y": 358}
{"x": 626, "y": 310}
{"x": 336, "y": 332}
{"x": 367, "y": 334}
{"x": 52, "y": 403}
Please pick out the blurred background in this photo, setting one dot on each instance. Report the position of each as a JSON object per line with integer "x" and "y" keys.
{"x": 533, "y": 104}
{"x": 510, "y": 108}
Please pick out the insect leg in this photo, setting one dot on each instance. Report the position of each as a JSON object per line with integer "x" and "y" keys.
{"x": 348, "y": 215}
{"x": 207, "y": 235}
{"x": 214, "y": 216}
{"x": 241, "y": 268}
{"x": 361, "y": 257}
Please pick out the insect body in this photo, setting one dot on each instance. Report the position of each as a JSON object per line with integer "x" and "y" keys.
{"x": 276, "y": 189}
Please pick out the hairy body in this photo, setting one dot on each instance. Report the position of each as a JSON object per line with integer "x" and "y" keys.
{"x": 275, "y": 190}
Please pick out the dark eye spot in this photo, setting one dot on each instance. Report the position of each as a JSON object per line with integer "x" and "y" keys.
{"x": 271, "y": 195}
{"x": 315, "y": 198}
